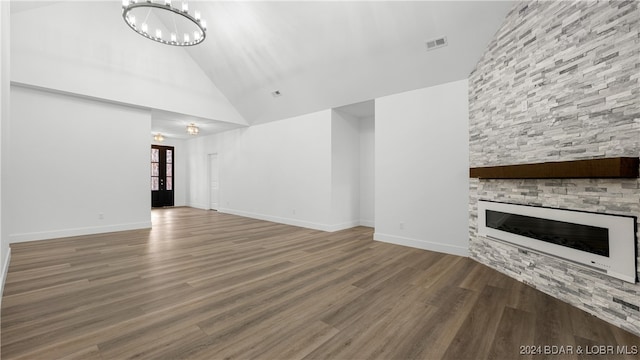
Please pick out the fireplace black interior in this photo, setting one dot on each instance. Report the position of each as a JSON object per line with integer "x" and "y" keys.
{"x": 587, "y": 238}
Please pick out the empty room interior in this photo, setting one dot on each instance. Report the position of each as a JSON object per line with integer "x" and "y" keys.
{"x": 319, "y": 179}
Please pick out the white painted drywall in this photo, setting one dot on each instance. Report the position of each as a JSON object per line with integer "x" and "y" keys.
{"x": 72, "y": 159}
{"x": 307, "y": 171}
{"x": 279, "y": 171}
{"x": 422, "y": 168}
{"x": 345, "y": 171}
{"x": 331, "y": 53}
{"x": 89, "y": 50}
{"x": 197, "y": 169}
{"x": 367, "y": 171}
{"x": 4, "y": 119}
{"x": 179, "y": 168}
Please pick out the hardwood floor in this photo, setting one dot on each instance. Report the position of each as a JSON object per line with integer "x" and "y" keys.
{"x": 205, "y": 285}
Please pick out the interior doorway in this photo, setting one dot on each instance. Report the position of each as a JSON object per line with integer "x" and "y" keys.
{"x": 162, "y": 175}
{"x": 214, "y": 182}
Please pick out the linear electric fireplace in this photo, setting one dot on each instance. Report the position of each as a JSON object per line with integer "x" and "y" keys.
{"x": 605, "y": 243}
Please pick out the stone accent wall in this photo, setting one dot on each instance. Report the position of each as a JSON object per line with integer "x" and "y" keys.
{"x": 560, "y": 81}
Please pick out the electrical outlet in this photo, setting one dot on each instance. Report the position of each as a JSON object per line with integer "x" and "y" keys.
{"x": 100, "y": 216}
{"x": 401, "y": 225}
{"x": 293, "y": 211}
{"x": 524, "y": 105}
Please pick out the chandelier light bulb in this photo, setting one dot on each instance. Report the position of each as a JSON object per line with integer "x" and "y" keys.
{"x": 191, "y": 24}
{"x": 192, "y": 129}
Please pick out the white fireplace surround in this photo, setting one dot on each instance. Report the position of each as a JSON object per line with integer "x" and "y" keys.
{"x": 621, "y": 262}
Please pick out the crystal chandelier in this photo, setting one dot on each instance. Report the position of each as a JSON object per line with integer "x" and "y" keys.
{"x": 192, "y": 129}
{"x": 149, "y": 19}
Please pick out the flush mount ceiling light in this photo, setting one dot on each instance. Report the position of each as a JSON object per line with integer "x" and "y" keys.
{"x": 149, "y": 19}
{"x": 158, "y": 137}
{"x": 192, "y": 129}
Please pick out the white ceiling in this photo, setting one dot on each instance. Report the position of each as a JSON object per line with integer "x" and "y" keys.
{"x": 174, "y": 125}
{"x": 327, "y": 54}
{"x": 359, "y": 110}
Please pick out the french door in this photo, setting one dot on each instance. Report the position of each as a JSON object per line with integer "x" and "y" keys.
{"x": 162, "y": 175}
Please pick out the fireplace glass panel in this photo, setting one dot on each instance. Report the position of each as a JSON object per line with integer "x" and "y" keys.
{"x": 587, "y": 238}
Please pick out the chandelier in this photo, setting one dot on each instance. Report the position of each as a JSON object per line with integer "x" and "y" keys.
{"x": 156, "y": 19}
{"x": 192, "y": 129}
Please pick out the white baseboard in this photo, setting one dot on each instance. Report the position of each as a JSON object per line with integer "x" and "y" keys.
{"x": 55, "y": 234}
{"x": 422, "y": 244}
{"x": 292, "y": 222}
{"x": 5, "y": 270}
{"x": 199, "y": 206}
{"x": 367, "y": 223}
{"x": 276, "y": 219}
{"x": 343, "y": 226}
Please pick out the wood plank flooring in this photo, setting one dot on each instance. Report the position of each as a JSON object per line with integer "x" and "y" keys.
{"x": 205, "y": 285}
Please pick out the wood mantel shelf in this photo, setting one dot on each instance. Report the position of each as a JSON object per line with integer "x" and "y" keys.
{"x": 619, "y": 167}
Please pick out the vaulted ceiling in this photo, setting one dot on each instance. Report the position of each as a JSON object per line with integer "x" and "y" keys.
{"x": 326, "y": 54}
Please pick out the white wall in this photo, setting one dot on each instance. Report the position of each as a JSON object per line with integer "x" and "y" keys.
{"x": 180, "y": 179}
{"x": 280, "y": 171}
{"x": 309, "y": 171}
{"x": 367, "y": 172}
{"x": 4, "y": 120}
{"x": 78, "y": 54}
{"x": 345, "y": 170}
{"x": 197, "y": 168}
{"x": 72, "y": 159}
{"x": 422, "y": 167}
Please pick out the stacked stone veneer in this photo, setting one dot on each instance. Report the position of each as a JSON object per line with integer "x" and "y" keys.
{"x": 560, "y": 81}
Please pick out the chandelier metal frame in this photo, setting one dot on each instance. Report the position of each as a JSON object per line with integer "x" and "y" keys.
{"x": 128, "y": 5}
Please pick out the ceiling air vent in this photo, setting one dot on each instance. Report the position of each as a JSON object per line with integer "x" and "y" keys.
{"x": 436, "y": 43}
